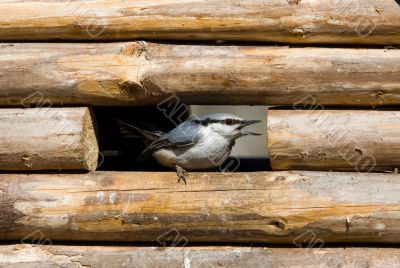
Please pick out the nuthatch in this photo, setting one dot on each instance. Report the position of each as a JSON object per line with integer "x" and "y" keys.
{"x": 198, "y": 143}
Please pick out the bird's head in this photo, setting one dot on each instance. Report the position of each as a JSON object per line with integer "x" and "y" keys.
{"x": 227, "y": 125}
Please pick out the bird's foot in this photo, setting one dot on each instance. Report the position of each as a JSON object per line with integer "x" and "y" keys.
{"x": 182, "y": 174}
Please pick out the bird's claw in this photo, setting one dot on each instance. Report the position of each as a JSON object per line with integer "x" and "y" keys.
{"x": 182, "y": 174}
{"x": 182, "y": 178}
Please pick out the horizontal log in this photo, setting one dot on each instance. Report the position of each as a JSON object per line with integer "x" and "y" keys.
{"x": 337, "y": 140}
{"x": 272, "y": 207}
{"x": 138, "y": 73}
{"x": 47, "y": 139}
{"x": 287, "y": 21}
{"x": 19, "y": 256}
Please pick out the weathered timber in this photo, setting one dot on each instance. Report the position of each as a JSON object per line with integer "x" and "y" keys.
{"x": 21, "y": 256}
{"x": 340, "y": 140}
{"x": 287, "y": 21}
{"x": 147, "y": 73}
{"x": 47, "y": 139}
{"x": 272, "y": 207}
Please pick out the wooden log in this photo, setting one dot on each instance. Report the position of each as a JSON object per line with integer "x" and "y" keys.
{"x": 19, "y": 256}
{"x": 138, "y": 73}
{"x": 287, "y": 21}
{"x": 273, "y": 207}
{"x": 339, "y": 140}
{"x": 47, "y": 139}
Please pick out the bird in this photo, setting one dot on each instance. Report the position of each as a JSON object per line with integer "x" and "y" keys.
{"x": 199, "y": 143}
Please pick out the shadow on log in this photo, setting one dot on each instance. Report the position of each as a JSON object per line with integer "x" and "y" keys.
{"x": 139, "y": 73}
{"x": 286, "y": 21}
{"x": 265, "y": 207}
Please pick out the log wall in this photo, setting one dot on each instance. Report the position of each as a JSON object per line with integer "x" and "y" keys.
{"x": 297, "y": 208}
{"x": 47, "y": 139}
{"x": 270, "y": 207}
{"x": 138, "y": 73}
{"x": 286, "y": 21}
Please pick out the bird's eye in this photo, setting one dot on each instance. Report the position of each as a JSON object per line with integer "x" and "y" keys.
{"x": 229, "y": 121}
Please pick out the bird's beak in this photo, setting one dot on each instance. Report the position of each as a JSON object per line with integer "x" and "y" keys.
{"x": 248, "y": 123}
{"x": 246, "y": 133}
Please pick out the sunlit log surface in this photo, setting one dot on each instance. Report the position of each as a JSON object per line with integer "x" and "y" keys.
{"x": 286, "y": 21}
{"x": 340, "y": 140}
{"x": 138, "y": 73}
{"x": 47, "y": 139}
{"x": 21, "y": 256}
{"x": 271, "y": 207}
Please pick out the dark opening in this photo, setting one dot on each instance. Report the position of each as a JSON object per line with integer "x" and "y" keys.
{"x": 120, "y": 149}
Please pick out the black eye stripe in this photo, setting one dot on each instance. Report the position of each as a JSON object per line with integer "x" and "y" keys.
{"x": 232, "y": 121}
{"x": 208, "y": 121}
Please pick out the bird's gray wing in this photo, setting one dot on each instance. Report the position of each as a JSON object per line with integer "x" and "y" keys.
{"x": 186, "y": 134}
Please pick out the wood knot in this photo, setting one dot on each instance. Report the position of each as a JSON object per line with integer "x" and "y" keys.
{"x": 26, "y": 159}
{"x": 129, "y": 89}
{"x": 277, "y": 223}
{"x": 134, "y": 49}
{"x": 300, "y": 32}
{"x": 293, "y": 2}
{"x": 358, "y": 150}
{"x": 379, "y": 94}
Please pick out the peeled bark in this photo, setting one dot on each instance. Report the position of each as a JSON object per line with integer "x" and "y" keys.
{"x": 138, "y": 73}
{"x": 271, "y": 207}
{"x": 20, "y": 256}
{"x": 47, "y": 139}
{"x": 339, "y": 140}
{"x": 287, "y": 21}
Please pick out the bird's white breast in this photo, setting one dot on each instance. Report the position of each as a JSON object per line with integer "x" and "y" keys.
{"x": 210, "y": 151}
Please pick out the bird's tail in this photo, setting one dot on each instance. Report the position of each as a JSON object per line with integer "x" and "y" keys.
{"x": 146, "y": 137}
{"x": 130, "y": 131}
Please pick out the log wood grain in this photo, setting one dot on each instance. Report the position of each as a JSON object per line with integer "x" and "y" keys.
{"x": 21, "y": 256}
{"x": 139, "y": 73}
{"x": 273, "y": 207}
{"x": 286, "y": 21}
{"x": 47, "y": 139}
{"x": 340, "y": 140}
